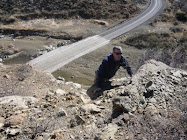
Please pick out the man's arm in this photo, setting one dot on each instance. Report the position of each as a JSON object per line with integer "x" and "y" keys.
{"x": 125, "y": 65}
{"x": 102, "y": 69}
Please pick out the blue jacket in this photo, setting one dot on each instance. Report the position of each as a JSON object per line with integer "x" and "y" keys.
{"x": 109, "y": 67}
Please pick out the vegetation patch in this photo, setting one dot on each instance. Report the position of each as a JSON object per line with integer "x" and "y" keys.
{"x": 152, "y": 40}
{"x": 100, "y": 9}
{"x": 175, "y": 12}
{"x": 181, "y": 16}
{"x": 165, "y": 47}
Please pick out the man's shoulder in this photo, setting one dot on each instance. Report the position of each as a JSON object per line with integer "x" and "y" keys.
{"x": 123, "y": 58}
{"x": 108, "y": 58}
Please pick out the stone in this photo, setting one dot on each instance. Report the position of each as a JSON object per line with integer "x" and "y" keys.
{"x": 2, "y": 120}
{"x": 83, "y": 91}
{"x": 69, "y": 83}
{"x": 85, "y": 100}
{"x": 177, "y": 74}
{"x": 122, "y": 104}
{"x": 148, "y": 93}
{"x": 91, "y": 108}
{"x": 16, "y": 119}
{"x": 60, "y": 92}
{"x": 77, "y": 121}
{"x": 46, "y": 136}
{"x": 56, "y": 134}
{"x": 109, "y": 94}
{"x": 59, "y": 82}
{"x": 133, "y": 89}
{"x": 76, "y": 86}
{"x": 149, "y": 84}
{"x": 1, "y": 125}
{"x": 40, "y": 138}
{"x": 61, "y": 113}
{"x": 61, "y": 78}
{"x": 151, "y": 109}
{"x": 91, "y": 127}
{"x": 109, "y": 132}
{"x": 18, "y": 101}
{"x": 126, "y": 117}
{"x": 6, "y": 76}
{"x": 152, "y": 100}
{"x": 123, "y": 92}
{"x": 13, "y": 132}
{"x": 98, "y": 102}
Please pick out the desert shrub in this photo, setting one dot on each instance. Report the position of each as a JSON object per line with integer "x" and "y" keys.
{"x": 89, "y": 9}
{"x": 181, "y": 16}
{"x": 176, "y": 29}
{"x": 167, "y": 45}
{"x": 183, "y": 39}
{"x": 168, "y": 9}
{"x": 143, "y": 41}
{"x": 152, "y": 40}
{"x": 176, "y": 23}
{"x": 127, "y": 15}
{"x": 16, "y": 10}
{"x": 165, "y": 35}
{"x": 165, "y": 18}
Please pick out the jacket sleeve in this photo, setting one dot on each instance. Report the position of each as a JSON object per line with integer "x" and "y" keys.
{"x": 102, "y": 69}
{"x": 125, "y": 65}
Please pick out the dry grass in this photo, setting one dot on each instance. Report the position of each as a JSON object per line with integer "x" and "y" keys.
{"x": 26, "y": 28}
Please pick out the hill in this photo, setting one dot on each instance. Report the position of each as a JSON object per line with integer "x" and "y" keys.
{"x": 153, "y": 106}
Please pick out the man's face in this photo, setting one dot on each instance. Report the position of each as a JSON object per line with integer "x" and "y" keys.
{"x": 117, "y": 54}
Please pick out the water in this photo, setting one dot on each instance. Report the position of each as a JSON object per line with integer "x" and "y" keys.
{"x": 71, "y": 77}
{"x": 20, "y": 59}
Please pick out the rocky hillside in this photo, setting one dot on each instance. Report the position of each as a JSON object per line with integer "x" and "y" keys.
{"x": 104, "y": 9}
{"x": 153, "y": 106}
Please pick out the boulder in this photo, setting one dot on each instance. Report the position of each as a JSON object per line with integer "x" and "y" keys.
{"x": 15, "y": 119}
{"x": 122, "y": 104}
{"x": 18, "y": 101}
{"x": 60, "y": 92}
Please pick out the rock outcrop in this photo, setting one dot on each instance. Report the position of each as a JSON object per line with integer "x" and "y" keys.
{"x": 153, "y": 106}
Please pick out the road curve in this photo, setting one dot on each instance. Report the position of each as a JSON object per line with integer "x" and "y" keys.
{"x": 57, "y": 58}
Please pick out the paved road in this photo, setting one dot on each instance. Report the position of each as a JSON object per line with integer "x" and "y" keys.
{"x": 57, "y": 58}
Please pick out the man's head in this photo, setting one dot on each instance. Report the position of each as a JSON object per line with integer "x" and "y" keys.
{"x": 117, "y": 52}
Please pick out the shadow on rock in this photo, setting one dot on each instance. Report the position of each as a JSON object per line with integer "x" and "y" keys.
{"x": 105, "y": 86}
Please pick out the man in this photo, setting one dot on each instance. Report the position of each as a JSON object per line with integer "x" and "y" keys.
{"x": 109, "y": 67}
